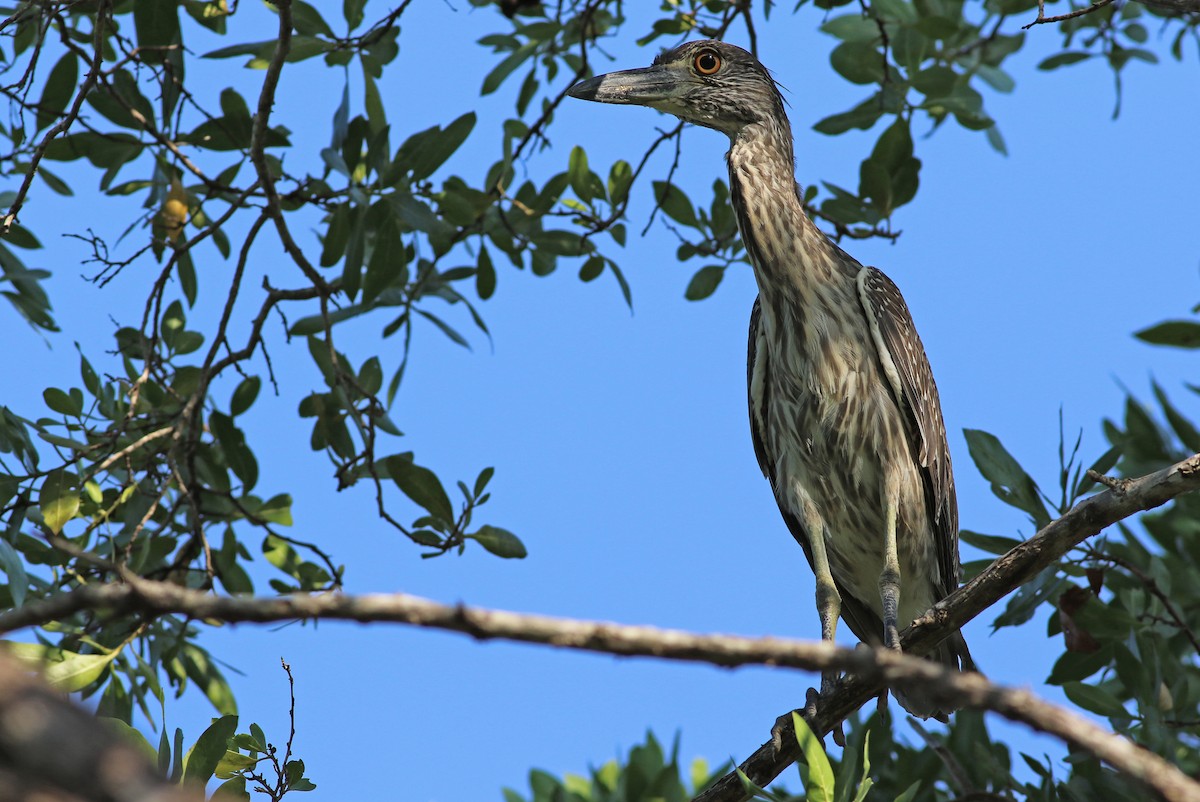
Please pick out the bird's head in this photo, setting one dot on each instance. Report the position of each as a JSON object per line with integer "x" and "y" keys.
{"x": 708, "y": 83}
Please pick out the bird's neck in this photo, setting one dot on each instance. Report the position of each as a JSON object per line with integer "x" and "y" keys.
{"x": 790, "y": 255}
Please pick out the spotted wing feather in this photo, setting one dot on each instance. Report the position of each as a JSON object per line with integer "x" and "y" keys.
{"x": 917, "y": 396}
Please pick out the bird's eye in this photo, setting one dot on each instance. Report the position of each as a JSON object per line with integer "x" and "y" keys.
{"x": 707, "y": 62}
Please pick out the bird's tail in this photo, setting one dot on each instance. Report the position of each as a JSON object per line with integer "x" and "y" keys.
{"x": 924, "y": 701}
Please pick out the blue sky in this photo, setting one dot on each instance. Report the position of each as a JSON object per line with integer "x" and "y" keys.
{"x": 620, "y": 440}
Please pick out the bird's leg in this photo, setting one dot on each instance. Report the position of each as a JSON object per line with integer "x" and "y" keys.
{"x": 829, "y": 601}
{"x": 889, "y": 580}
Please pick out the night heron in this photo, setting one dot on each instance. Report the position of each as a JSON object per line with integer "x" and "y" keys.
{"x": 844, "y": 412}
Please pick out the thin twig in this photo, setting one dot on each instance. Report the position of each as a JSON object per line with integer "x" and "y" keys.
{"x": 1042, "y": 19}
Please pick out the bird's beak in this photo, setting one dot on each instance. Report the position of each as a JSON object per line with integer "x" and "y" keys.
{"x": 647, "y": 86}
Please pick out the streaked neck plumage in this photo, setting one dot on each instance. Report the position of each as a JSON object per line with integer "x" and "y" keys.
{"x": 789, "y": 253}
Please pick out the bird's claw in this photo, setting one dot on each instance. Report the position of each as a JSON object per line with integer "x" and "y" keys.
{"x": 891, "y": 637}
{"x": 809, "y": 714}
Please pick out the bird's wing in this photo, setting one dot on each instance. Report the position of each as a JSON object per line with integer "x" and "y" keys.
{"x": 908, "y": 372}
{"x": 862, "y": 620}
{"x": 756, "y": 392}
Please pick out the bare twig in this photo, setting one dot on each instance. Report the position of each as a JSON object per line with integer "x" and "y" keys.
{"x": 1042, "y": 19}
{"x": 258, "y": 138}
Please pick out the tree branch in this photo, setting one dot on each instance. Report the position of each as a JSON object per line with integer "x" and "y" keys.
{"x": 56, "y": 751}
{"x": 1007, "y": 573}
{"x": 870, "y": 671}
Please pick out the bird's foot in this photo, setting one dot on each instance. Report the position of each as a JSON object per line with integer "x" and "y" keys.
{"x": 891, "y": 636}
{"x": 809, "y": 714}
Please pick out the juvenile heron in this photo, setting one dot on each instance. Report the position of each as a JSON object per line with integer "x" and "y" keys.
{"x": 844, "y": 412}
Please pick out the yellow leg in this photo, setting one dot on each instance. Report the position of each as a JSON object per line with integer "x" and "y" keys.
{"x": 889, "y": 580}
{"x": 829, "y": 601}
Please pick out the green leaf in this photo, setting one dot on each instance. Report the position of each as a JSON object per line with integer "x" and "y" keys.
{"x": 580, "y": 174}
{"x": 1177, "y": 333}
{"x": 133, "y": 737}
{"x": 857, "y": 62}
{"x": 935, "y": 81}
{"x": 428, "y": 150}
{"x": 506, "y": 67}
{"x": 77, "y": 671}
{"x": 233, "y": 762}
{"x": 704, "y": 283}
{"x": 1095, "y": 700}
{"x": 204, "y": 756}
{"x": 14, "y": 568}
{"x": 234, "y": 788}
{"x": 861, "y": 116}
{"x": 388, "y": 265}
{"x": 62, "y": 403}
{"x": 820, "y": 773}
{"x": 865, "y": 782}
{"x": 672, "y": 200}
{"x": 852, "y": 28}
{"x": 67, "y": 671}
{"x": 202, "y": 670}
{"x": 1062, "y": 59}
{"x": 996, "y": 78}
{"x": 157, "y": 26}
{"x": 308, "y": 21}
{"x": 992, "y": 544}
{"x": 500, "y": 542}
{"x": 1076, "y": 666}
{"x": 422, "y": 486}
{"x": 244, "y": 396}
{"x": 59, "y": 89}
{"x": 59, "y": 499}
{"x": 277, "y": 510}
{"x": 1009, "y": 481}
{"x": 899, "y": 10}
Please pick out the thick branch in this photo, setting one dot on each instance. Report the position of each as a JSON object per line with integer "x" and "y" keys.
{"x": 871, "y": 669}
{"x": 53, "y": 750}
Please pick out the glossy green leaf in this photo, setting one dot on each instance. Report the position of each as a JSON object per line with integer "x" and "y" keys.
{"x": 672, "y": 200}
{"x": 1176, "y": 333}
{"x": 157, "y": 27}
{"x": 819, "y": 784}
{"x": 14, "y": 567}
{"x": 244, "y": 395}
{"x": 992, "y": 544}
{"x": 1062, "y": 59}
{"x": 59, "y": 499}
{"x": 58, "y": 91}
{"x": 1010, "y": 482}
{"x": 858, "y": 62}
{"x": 205, "y": 755}
{"x": 76, "y": 671}
{"x": 500, "y": 542}
{"x": 422, "y": 486}
{"x": 1095, "y": 700}
{"x": 704, "y": 283}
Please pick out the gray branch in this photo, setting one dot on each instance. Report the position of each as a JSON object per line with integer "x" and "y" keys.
{"x": 872, "y": 671}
